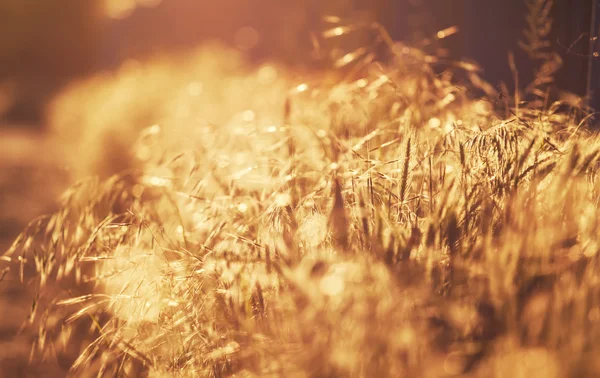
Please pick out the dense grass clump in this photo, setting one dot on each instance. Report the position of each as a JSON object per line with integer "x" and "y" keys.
{"x": 391, "y": 224}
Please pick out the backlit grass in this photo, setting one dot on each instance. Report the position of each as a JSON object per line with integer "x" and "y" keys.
{"x": 252, "y": 222}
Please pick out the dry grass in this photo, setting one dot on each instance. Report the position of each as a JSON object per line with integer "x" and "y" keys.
{"x": 387, "y": 225}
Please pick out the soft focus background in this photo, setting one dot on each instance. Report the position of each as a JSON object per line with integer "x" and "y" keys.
{"x": 47, "y": 45}
{"x": 44, "y": 45}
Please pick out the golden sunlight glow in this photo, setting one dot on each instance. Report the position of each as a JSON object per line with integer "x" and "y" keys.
{"x": 337, "y": 31}
{"x": 302, "y": 88}
{"x": 123, "y": 8}
{"x": 447, "y": 32}
{"x": 374, "y": 220}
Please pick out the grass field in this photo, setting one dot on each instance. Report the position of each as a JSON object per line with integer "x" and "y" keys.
{"x": 252, "y": 221}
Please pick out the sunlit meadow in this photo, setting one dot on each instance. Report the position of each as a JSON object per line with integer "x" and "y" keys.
{"x": 386, "y": 219}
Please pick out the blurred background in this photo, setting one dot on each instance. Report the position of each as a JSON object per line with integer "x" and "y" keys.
{"x": 44, "y": 45}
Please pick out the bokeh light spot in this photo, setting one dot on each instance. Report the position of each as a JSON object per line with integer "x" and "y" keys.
{"x": 246, "y": 38}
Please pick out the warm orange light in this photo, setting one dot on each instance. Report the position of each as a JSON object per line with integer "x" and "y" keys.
{"x": 445, "y": 33}
{"x": 122, "y": 8}
{"x": 246, "y": 38}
